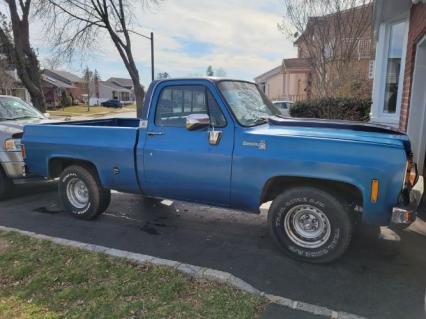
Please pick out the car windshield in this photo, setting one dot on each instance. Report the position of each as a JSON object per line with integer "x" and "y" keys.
{"x": 281, "y": 105}
{"x": 12, "y": 108}
{"x": 249, "y": 105}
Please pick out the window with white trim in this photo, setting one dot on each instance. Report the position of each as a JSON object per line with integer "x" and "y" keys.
{"x": 393, "y": 85}
{"x": 389, "y": 71}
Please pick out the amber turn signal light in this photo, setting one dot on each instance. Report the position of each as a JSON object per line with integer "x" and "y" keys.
{"x": 374, "y": 190}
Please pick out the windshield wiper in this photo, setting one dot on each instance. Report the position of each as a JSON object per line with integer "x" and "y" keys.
{"x": 283, "y": 116}
{"x": 261, "y": 120}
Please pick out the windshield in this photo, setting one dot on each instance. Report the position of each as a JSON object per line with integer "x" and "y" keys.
{"x": 249, "y": 105}
{"x": 12, "y": 108}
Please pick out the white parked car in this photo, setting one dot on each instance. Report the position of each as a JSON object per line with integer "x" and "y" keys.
{"x": 283, "y": 106}
{"x": 14, "y": 114}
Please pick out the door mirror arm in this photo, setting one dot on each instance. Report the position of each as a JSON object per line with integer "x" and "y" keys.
{"x": 214, "y": 137}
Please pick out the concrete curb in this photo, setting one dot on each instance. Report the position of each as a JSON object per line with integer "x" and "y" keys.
{"x": 194, "y": 272}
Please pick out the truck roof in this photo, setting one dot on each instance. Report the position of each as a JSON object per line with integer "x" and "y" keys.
{"x": 207, "y": 78}
{"x": 212, "y": 79}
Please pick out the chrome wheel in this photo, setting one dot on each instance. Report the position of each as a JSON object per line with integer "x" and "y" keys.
{"x": 77, "y": 193}
{"x": 307, "y": 226}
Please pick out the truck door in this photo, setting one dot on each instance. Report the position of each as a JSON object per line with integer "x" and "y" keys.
{"x": 183, "y": 164}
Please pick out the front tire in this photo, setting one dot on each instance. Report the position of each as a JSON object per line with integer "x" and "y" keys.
{"x": 310, "y": 224}
{"x": 82, "y": 193}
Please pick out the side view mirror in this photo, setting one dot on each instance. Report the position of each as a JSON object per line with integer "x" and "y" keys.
{"x": 197, "y": 121}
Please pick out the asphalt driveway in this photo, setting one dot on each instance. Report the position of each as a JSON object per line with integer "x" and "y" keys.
{"x": 377, "y": 278}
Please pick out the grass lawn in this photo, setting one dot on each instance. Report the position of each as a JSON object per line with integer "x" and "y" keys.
{"x": 81, "y": 110}
{"x": 40, "y": 279}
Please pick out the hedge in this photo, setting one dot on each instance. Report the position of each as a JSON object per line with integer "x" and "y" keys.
{"x": 334, "y": 108}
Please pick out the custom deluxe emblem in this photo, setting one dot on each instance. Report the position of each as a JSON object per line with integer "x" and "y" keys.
{"x": 261, "y": 145}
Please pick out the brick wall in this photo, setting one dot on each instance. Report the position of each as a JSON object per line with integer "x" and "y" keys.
{"x": 78, "y": 91}
{"x": 416, "y": 32}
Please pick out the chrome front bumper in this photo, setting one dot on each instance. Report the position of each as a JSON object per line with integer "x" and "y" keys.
{"x": 407, "y": 214}
{"x": 14, "y": 170}
{"x": 13, "y": 164}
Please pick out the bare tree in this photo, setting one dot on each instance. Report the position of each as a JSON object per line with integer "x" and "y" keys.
{"x": 7, "y": 82}
{"x": 209, "y": 71}
{"x": 89, "y": 79}
{"x": 96, "y": 80}
{"x": 20, "y": 51}
{"x": 52, "y": 62}
{"x": 77, "y": 24}
{"x": 332, "y": 34}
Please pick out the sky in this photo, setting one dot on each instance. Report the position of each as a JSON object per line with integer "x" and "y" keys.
{"x": 239, "y": 36}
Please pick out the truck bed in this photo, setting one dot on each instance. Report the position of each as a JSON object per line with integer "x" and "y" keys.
{"x": 108, "y": 144}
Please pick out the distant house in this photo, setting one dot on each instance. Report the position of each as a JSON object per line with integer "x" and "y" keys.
{"x": 105, "y": 90}
{"x": 56, "y": 83}
{"x": 127, "y": 84}
{"x": 340, "y": 48}
{"x": 297, "y": 79}
{"x": 288, "y": 81}
{"x": 399, "y": 97}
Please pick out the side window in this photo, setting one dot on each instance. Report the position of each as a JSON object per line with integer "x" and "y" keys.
{"x": 177, "y": 102}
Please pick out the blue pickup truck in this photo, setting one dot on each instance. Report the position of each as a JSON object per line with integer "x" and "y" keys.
{"x": 222, "y": 143}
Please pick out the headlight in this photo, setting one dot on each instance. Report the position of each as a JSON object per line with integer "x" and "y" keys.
{"x": 12, "y": 145}
{"x": 411, "y": 174}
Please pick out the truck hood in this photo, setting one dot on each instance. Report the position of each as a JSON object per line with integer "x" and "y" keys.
{"x": 338, "y": 130}
{"x": 9, "y": 128}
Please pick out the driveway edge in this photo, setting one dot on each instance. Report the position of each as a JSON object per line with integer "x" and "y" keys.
{"x": 194, "y": 272}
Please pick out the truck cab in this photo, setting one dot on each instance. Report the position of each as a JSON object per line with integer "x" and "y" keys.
{"x": 222, "y": 142}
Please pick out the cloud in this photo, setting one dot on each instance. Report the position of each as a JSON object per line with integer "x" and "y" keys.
{"x": 240, "y": 36}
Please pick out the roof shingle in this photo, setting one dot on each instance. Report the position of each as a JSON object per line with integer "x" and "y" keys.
{"x": 121, "y": 81}
{"x": 68, "y": 76}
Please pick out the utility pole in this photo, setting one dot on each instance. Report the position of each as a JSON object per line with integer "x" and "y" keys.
{"x": 152, "y": 56}
{"x": 151, "y": 38}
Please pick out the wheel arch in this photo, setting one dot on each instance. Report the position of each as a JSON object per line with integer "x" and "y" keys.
{"x": 276, "y": 185}
{"x": 56, "y": 165}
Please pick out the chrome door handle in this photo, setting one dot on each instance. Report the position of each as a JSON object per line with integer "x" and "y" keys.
{"x": 155, "y": 133}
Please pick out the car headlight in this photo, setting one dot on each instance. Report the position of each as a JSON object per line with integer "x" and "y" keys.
{"x": 411, "y": 174}
{"x": 12, "y": 145}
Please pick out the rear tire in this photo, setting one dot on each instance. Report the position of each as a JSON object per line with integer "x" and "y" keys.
{"x": 105, "y": 201}
{"x": 310, "y": 224}
{"x": 82, "y": 193}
